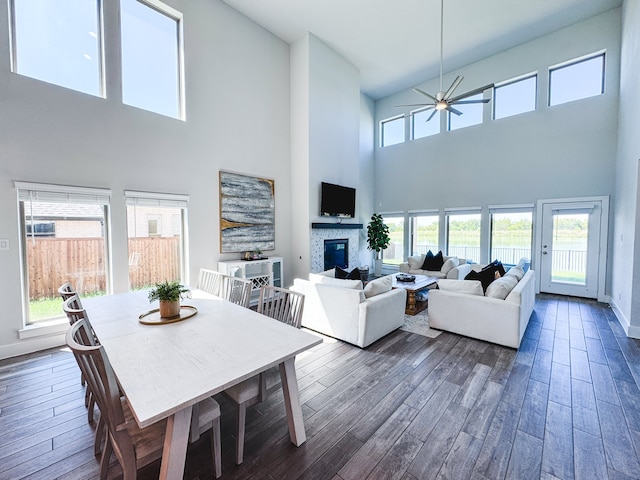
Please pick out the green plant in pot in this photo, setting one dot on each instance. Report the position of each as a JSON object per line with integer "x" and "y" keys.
{"x": 169, "y": 294}
{"x": 378, "y": 240}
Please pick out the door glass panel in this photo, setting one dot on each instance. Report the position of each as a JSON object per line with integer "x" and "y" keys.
{"x": 424, "y": 234}
{"x": 569, "y": 248}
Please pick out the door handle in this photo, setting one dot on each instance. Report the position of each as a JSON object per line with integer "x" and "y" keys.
{"x": 544, "y": 252}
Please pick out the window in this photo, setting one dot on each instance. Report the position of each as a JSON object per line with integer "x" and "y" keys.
{"x": 394, "y": 254}
{"x": 576, "y": 80}
{"x": 63, "y": 239}
{"x": 471, "y": 113}
{"x": 58, "y": 42}
{"x": 421, "y": 127}
{"x": 392, "y": 131}
{"x": 463, "y": 235}
{"x": 514, "y": 97}
{"x": 424, "y": 233}
{"x": 152, "y": 72}
{"x": 156, "y": 225}
{"x": 511, "y": 234}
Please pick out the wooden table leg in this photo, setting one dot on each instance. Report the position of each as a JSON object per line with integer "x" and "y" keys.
{"x": 174, "y": 453}
{"x": 411, "y": 302}
{"x": 292, "y": 402}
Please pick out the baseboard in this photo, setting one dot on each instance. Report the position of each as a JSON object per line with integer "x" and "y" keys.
{"x": 631, "y": 331}
{"x": 32, "y": 345}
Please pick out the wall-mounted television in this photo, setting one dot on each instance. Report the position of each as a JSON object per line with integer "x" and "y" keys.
{"x": 337, "y": 201}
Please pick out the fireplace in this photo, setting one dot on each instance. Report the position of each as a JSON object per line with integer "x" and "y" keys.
{"x": 336, "y": 253}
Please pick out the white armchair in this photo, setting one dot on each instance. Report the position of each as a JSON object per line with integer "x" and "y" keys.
{"x": 346, "y": 313}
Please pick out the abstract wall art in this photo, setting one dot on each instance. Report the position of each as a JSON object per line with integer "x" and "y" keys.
{"x": 247, "y": 213}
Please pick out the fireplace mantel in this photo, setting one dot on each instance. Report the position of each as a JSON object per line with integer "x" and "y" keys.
{"x": 345, "y": 226}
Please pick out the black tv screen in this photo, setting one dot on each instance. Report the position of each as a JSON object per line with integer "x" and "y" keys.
{"x": 337, "y": 201}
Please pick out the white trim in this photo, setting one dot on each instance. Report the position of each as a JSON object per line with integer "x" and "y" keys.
{"x": 517, "y": 79}
{"x": 431, "y": 212}
{"x": 580, "y": 59}
{"x": 150, "y": 199}
{"x": 45, "y": 187}
{"x": 462, "y": 210}
{"x": 34, "y": 345}
{"x": 516, "y": 208}
{"x": 392, "y": 214}
{"x": 44, "y": 329}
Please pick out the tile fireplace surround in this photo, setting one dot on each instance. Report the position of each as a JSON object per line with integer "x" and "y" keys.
{"x": 321, "y": 233}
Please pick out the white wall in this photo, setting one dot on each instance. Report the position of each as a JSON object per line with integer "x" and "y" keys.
{"x": 329, "y": 149}
{"x": 237, "y": 94}
{"x": 625, "y": 291}
{"x": 553, "y": 152}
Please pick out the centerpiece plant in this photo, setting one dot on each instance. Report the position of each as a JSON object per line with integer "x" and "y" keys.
{"x": 169, "y": 295}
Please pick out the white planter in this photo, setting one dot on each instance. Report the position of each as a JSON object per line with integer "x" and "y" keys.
{"x": 377, "y": 267}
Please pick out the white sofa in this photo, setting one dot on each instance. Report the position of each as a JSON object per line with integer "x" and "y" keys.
{"x": 343, "y": 309}
{"x": 485, "y": 318}
{"x": 453, "y": 268}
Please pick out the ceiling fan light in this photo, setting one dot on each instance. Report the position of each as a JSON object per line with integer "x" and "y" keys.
{"x": 441, "y": 106}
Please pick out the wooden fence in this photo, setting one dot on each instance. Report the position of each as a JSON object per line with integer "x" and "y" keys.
{"x": 81, "y": 261}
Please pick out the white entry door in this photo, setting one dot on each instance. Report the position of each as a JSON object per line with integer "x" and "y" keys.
{"x": 570, "y": 247}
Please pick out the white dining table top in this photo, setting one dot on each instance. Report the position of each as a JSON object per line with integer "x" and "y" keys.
{"x": 165, "y": 368}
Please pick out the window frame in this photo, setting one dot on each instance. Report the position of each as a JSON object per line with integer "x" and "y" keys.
{"x": 448, "y": 213}
{"x": 462, "y": 107}
{"x": 510, "y": 82}
{"x": 413, "y": 216}
{"x": 506, "y": 209}
{"x": 164, "y": 200}
{"x": 573, "y": 62}
{"x": 178, "y": 16}
{"x": 58, "y": 194}
{"x": 389, "y": 120}
{"x": 13, "y": 54}
{"x": 400, "y": 216}
{"x": 412, "y": 128}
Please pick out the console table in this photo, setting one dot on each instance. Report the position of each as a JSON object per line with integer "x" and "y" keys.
{"x": 266, "y": 271}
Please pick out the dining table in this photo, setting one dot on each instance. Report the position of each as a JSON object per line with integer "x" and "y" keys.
{"x": 165, "y": 369}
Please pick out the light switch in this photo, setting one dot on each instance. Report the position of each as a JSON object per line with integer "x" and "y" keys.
{"x": 4, "y": 244}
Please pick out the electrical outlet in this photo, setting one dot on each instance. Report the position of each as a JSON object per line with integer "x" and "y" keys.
{"x": 4, "y": 244}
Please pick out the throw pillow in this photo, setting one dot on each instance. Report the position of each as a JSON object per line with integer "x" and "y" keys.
{"x": 501, "y": 287}
{"x": 516, "y": 272}
{"x": 485, "y": 277}
{"x": 450, "y": 264}
{"x": 433, "y": 263}
{"x": 415, "y": 261}
{"x": 470, "y": 287}
{"x": 338, "y": 282}
{"x": 378, "y": 286}
{"x": 495, "y": 266}
{"x": 343, "y": 274}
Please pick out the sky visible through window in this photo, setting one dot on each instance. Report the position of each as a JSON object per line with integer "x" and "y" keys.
{"x": 471, "y": 113}
{"x": 576, "y": 81}
{"x": 515, "y": 97}
{"x": 150, "y": 62}
{"x": 58, "y": 42}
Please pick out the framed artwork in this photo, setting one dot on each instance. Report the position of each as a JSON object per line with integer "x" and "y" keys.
{"x": 247, "y": 213}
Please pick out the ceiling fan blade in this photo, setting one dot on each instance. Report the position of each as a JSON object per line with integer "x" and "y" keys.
{"x": 459, "y": 102}
{"x": 425, "y": 94}
{"x": 453, "y": 110}
{"x": 471, "y": 93}
{"x": 453, "y": 86}
{"x": 432, "y": 114}
{"x": 428, "y": 105}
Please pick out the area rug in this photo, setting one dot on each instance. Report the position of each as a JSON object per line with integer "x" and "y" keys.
{"x": 419, "y": 324}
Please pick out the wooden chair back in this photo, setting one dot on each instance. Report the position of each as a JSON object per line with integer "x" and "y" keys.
{"x": 210, "y": 281}
{"x": 72, "y": 307}
{"x": 94, "y": 365}
{"x": 236, "y": 290}
{"x": 281, "y": 304}
{"x": 66, "y": 290}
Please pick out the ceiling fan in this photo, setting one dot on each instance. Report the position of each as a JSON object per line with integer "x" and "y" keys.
{"x": 445, "y": 100}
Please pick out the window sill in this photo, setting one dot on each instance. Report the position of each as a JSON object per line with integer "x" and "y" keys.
{"x": 44, "y": 329}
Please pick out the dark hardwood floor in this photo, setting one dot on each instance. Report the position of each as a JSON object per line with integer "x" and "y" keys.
{"x": 565, "y": 405}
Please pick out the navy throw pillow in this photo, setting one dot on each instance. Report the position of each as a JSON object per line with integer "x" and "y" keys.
{"x": 485, "y": 277}
{"x": 432, "y": 262}
{"x": 343, "y": 274}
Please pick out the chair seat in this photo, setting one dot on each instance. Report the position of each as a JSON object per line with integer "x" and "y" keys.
{"x": 250, "y": 388}
{"x": 148, "y": 442}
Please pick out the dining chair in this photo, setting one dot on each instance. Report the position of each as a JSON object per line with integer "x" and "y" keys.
{"x": 209, "y": 281}
{"x": 236, "y": 290}
{"x": 133, "y": 447}
{"x": 66, "y": 290}
{"x": 285, "y": 306}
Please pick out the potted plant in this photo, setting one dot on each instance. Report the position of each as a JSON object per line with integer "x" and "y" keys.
{"x": 169, "y": 294}
{"x": 378, "y": 239}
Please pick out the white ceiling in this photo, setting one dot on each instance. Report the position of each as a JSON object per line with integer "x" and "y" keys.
{"x": 396, "y": 43}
